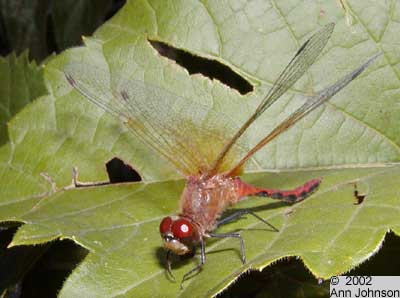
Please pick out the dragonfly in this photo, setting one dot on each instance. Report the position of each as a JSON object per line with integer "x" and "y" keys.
{"x": 204, "y": 146}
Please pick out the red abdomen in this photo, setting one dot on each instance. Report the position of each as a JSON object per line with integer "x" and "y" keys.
{"x": 293, "y": 195}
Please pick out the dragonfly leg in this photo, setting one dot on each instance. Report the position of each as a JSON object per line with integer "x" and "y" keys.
{"x": 168, "y": 259}
{"x": 240, "y": 213}
{"x": 198, "y": 267}
{"x": 232, "y": 235}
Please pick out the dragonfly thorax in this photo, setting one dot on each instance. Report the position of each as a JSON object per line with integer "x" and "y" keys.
{"x": 204, "y": 199}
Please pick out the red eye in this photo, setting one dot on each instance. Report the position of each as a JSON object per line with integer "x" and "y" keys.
{"x": 165, "y": 225}
{"x": 181, "y": 228}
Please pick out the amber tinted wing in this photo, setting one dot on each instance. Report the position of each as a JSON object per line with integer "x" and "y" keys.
{"x": 186, "y": 133}
{"x": 299, "y": 64}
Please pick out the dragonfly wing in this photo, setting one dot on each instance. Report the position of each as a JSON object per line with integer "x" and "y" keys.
{"x": 300, "y": 63}
{"x": 311, "y": 104}
{"x": 186, "y": 133}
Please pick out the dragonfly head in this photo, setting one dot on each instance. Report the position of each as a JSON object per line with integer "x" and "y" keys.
{"x": 177, "y": 234}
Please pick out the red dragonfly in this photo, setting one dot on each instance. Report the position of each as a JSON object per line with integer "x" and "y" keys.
{"x": 202, "y": 144}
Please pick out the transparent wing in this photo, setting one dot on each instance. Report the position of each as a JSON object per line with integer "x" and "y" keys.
{"x": 311, "y": 104}
{"x": 300, "y": 63}
{"x": 186, "y": 133}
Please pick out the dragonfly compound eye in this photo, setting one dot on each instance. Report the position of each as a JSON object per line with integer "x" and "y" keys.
{"x": 165, "y": 225}
{"x": 182, "y": 228}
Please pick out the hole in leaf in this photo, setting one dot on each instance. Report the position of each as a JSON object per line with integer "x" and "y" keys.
{"x": 119, "y": 171}
{"x": 359, "y": 197}
{"x": 209, "y": 68}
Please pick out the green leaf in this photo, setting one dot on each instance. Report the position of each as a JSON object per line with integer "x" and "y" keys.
{"x": 119, "y": 224}
{"x": 21, "y": 82}
{"x": 355, "y": 137}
